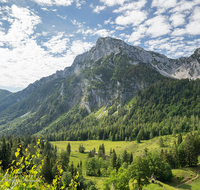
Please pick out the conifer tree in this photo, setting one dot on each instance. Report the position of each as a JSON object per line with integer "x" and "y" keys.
{"x": 69, "y": 148}
{"x": 179, "y": 139}
{"x": 47, "y": 169}
{"x": 191, "y": 154}
{"x": 71, "y": 168}
{"x": 118, "y": 163}
{"x": 113, "y": 160}
{"x": 161, "y": 144}
{"x": 125, "y": 157}
{"x": 131, "y": 158}
{"x": 64, "y": 158}
{"x": 4, "y": 154}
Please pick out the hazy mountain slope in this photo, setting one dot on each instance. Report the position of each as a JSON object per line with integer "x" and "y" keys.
{"x": 4, "y": 93}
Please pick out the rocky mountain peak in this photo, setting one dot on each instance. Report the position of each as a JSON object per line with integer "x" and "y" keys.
{"x": 179, "y": 68}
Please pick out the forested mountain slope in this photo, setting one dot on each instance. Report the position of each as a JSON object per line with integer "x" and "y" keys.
{"x": 168, "y": 107}
{"x": 109, "y": 74}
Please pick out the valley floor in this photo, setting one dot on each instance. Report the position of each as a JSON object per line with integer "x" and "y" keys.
{"x": 184, "y": 178}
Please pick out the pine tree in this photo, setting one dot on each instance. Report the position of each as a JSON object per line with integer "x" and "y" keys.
{"x": 191, "y": 154}
{"x": 179, "y": 139}
{"x": 182, "y": 156}
{"x": 64, "y": 158}
{"x": 69, "y": 148}
{"x": 113, "y": 160}
{"x": 4, "y": 155}
{"x": 118, "y": 163}
{"x": 111, "y": 151}
{"x": 71, "y": 169}
{"x": 138, "y": 138}
{"x": 125, "y": 157}
{"x": 131, "y": 158}
{"x": 47, "y": 169}
{"x": 103, "y": 148}
{"x": 161, "y": 144}
{"x": 99, "y": 172}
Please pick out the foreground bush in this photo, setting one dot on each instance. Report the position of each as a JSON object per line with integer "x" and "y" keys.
{"x": 24, "y": 174}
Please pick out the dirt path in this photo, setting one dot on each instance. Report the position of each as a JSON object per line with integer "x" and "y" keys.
{"x": 189, "y": 179}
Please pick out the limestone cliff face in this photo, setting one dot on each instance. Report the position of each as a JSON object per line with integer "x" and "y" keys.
{"x": 177, "y": 68}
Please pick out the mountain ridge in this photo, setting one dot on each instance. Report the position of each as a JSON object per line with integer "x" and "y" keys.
{"x": 78, "y": 59}
{"x": 109, "y": 73}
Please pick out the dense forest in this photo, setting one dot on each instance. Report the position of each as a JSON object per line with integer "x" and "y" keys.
{"x": 169, "y": 107}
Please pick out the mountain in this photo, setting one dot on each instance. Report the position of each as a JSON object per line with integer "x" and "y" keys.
{"x": 4, "y": 93}
{"x": 109, "y": 74}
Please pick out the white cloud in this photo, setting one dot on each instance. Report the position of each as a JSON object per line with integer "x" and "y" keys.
{"x": 196, "y": 14}
{"x": 59, "y": 2}
{"x": 57, "y": 44}
{"x": 44, "y": 9}
{"x": 97, "y": 9}
{"x": 155, "y": 44}
{"x": 178, "y": 32}
{"x": 26, "y": 61}
{"x": 131, "y": 6}
{"x": 108, "y": 21}
{"x": 184, "y": 5}
{"x": 30, "y": 62}
{"x": 158, "y": 26}
{"x": 99, "y": 26}
{"x": 113, "y": 2}
{"x": 163, "y": 5}
{"x": 99, "y": 32}
{"x": 44, "y": 2}
{"x": 120, "y": 28}
{"x": 103, "y": 32}
{"x": 131, "y": 13}
{"x": 4, "y": 1}
{"x": 23, "y": 22}
{"x": 134, "y": 17}
{"x": 177, "y": 19}
{"x": 79, "y": 47}
{"x": 63, "y": 17}
{"x": 174, "y": 47}
{"x": 63, "y": 2}
{"x": 79, "y": 3}
{"x": 137, "y": 34}
{"x": 193, "y": 27}
{"x": 76, "y": 23}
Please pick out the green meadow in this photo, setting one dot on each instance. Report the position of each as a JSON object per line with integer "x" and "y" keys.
{"x": 180, "y": 176}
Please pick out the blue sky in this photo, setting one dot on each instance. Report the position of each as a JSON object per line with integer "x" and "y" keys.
{"x": 39, "y": 37}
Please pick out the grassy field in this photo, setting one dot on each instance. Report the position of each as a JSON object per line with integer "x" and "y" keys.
{"x": 183, "y": 174}
{"x": 119, "y": 146}
{"x": 194, "y": 185}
